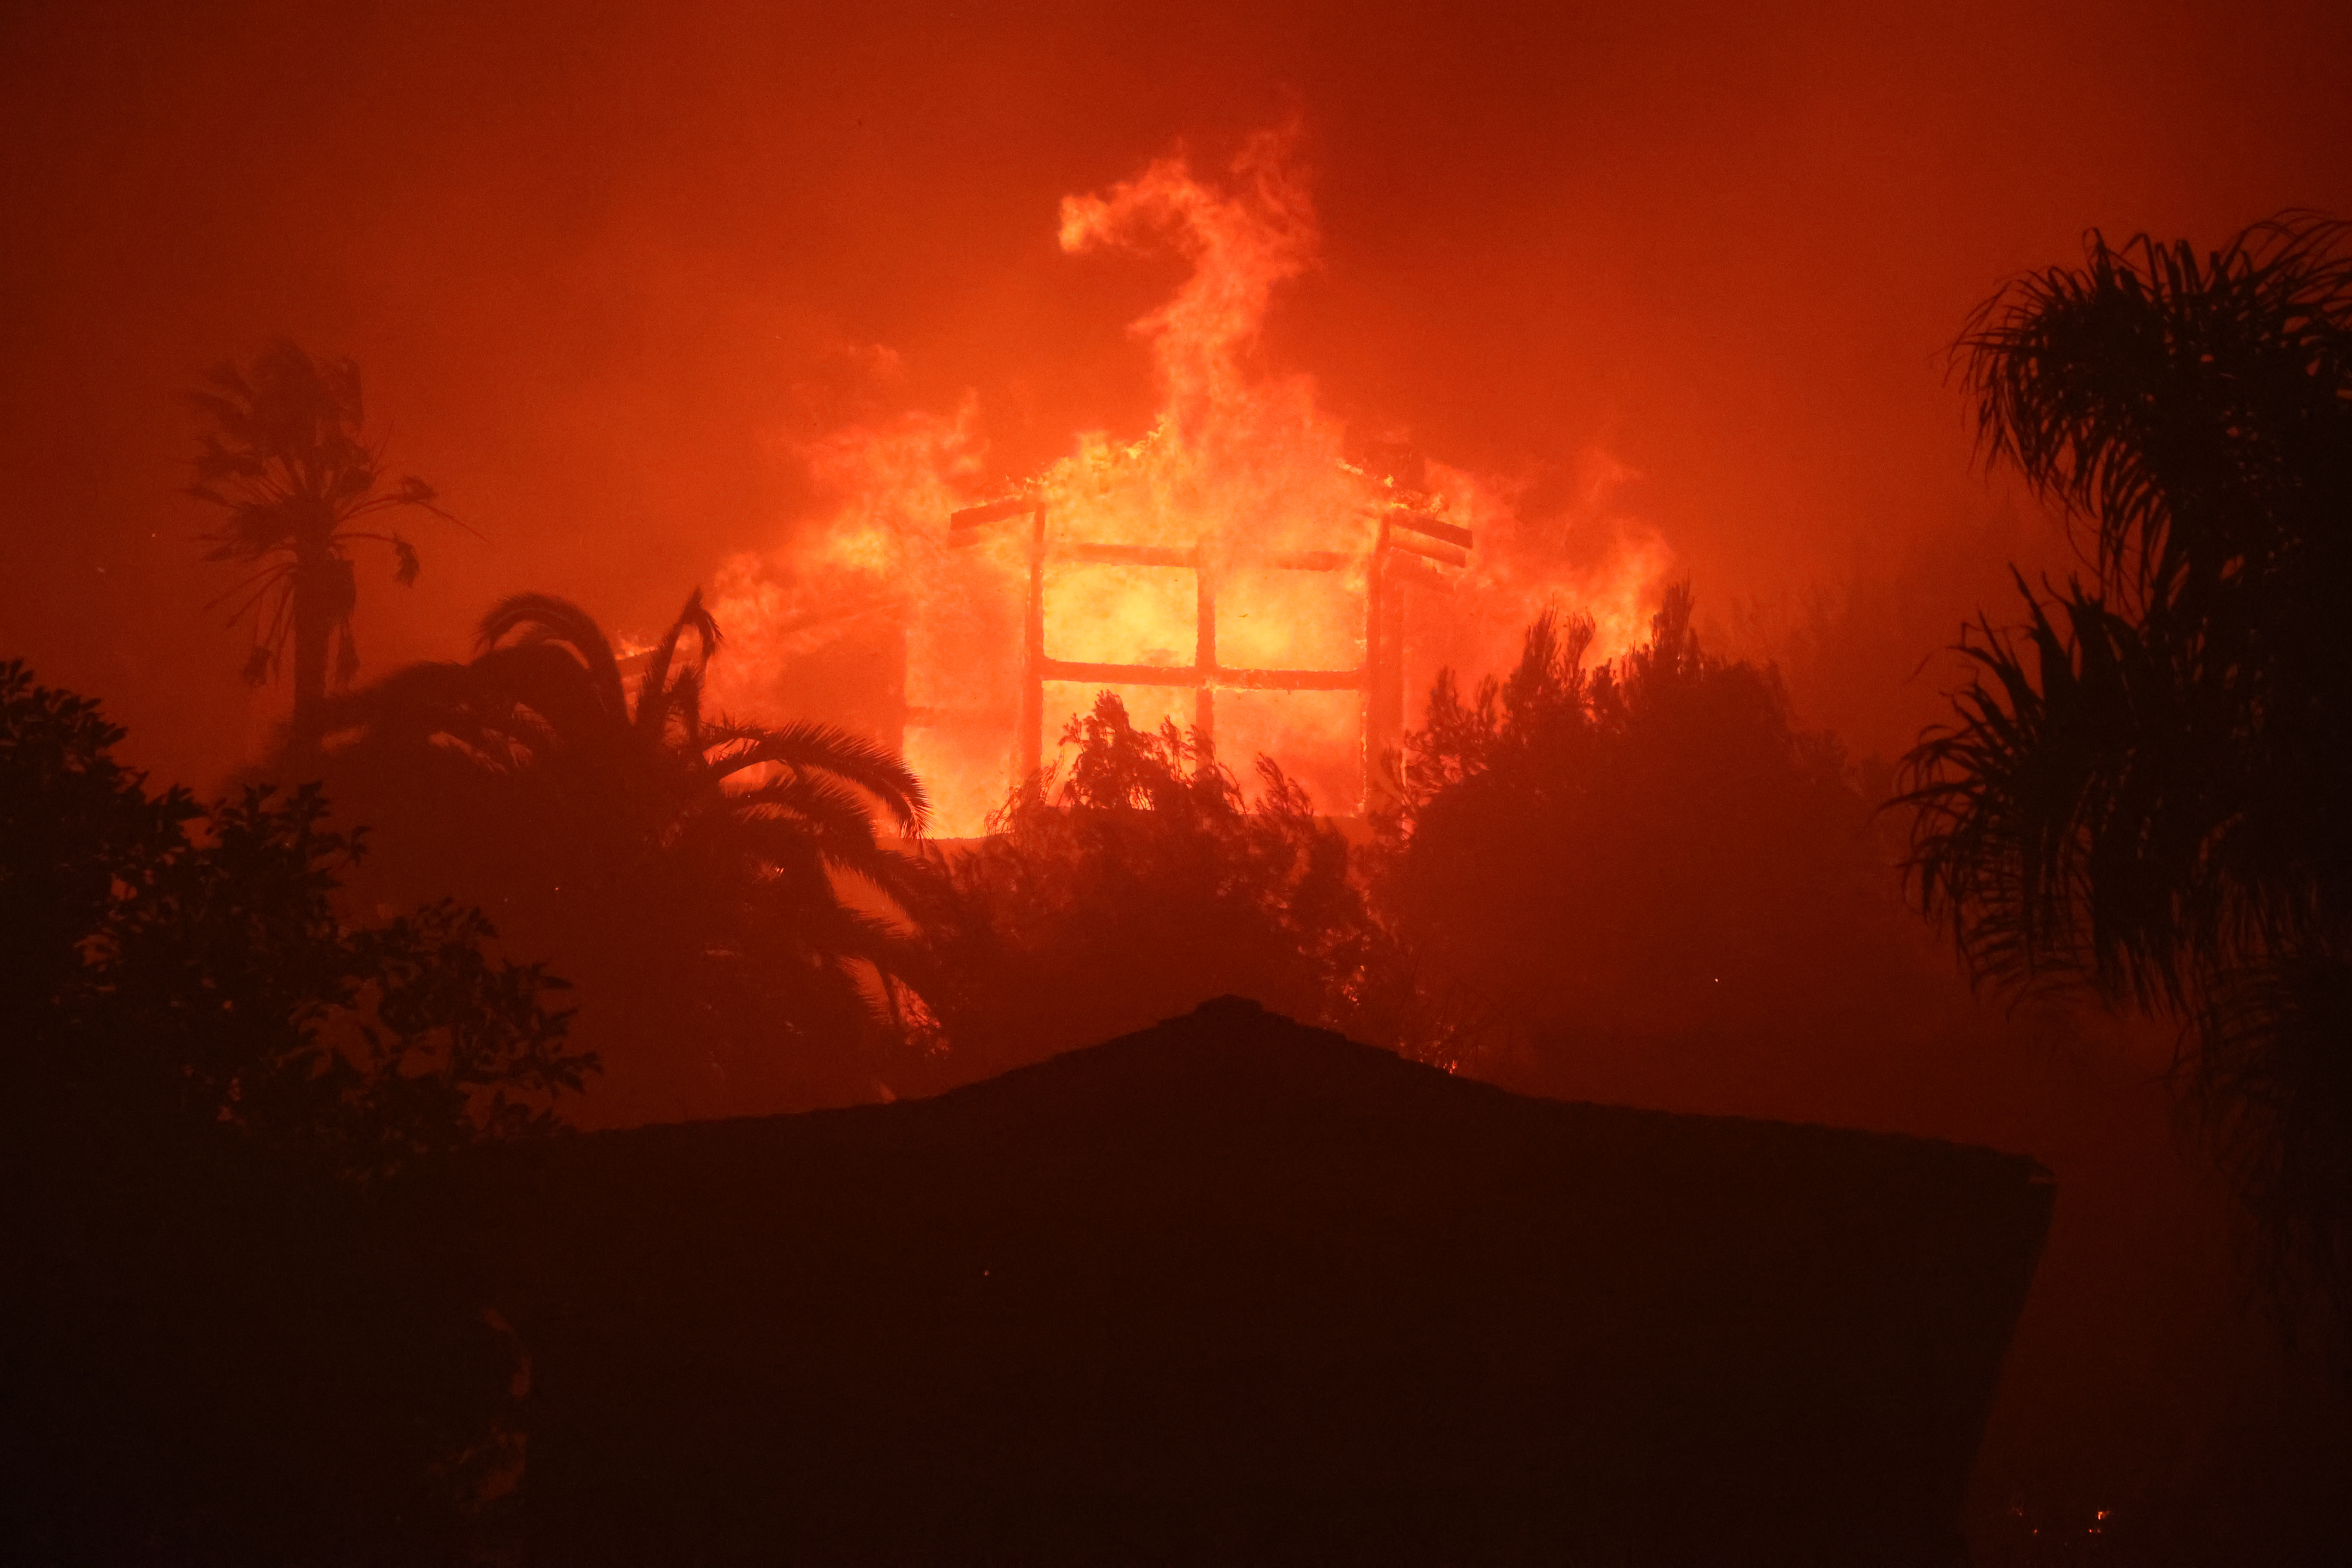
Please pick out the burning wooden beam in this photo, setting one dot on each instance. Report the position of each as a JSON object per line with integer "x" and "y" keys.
{"x": 1191, "y": 558}
{"x": 1215, "y": 676}
{"x": 974, "y": 517}
{"x": 1429, "y": 523}
{"x": 1434, "y": 549}
{"x": 1129, "y": 555}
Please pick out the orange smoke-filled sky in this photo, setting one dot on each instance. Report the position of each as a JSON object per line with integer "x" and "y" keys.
{"x": 607, "y": 266}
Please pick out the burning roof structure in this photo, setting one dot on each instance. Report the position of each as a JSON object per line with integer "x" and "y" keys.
{"x": 1233, "y": 579}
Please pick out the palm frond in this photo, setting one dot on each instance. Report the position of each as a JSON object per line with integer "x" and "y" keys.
{"x": 684, "y": 702}
{"x": 283, "y": 460}
{"x": 804, "y": 746}
{"x": 542, "y": 618}
{"x": 834, "y": 815}
{"x": 260, "y": 581}
{"x": 548, "y": 699}
{"x": 2144, "y": 789}
{"x": 656, "y": 700}
{"x": 2271, "y": 1068}
{"x": 2065, "y": 822}
{"x": 410, "y": 705}
{"x": 2169, "y": 400}
{"x": 718, "y": 855}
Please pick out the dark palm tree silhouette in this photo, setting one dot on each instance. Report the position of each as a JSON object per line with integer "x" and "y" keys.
{"x": 2144, "y": 788}
{"x": 284, "y": 459}
{"x": 690, "y": 870}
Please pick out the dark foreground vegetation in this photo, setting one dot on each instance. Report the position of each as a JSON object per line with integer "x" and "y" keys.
{"x": 2144, "y": 789}
{"x": 690, "y": 864}
{"x": 250, "y": 1089}
{"x": 242, "y": 1326}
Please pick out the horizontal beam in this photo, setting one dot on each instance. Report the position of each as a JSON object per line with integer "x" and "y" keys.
{"x": 1288, "y": 680}
{"x": 994, "y": 512}
{"x": 1430, "y": 548}
{"x": 1432, "y": 525}
{"x": 1126, "y": 555}
{"x": 1162, "y": 555}
{"x": 1192, "y": 675}
{"x": 1419, "y": 522}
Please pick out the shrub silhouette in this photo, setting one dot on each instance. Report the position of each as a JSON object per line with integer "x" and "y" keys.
{"x": 241, "y": 1327}
{"x": 1645, "y": 870}
{"x": 1132, "y": 889}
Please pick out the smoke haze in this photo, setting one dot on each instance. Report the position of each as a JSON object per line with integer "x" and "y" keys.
{"x": 1684, "y": 267}
{"x": 1679, "y": 280}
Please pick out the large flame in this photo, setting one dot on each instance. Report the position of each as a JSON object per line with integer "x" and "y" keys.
{"x": 1241, "y": 476}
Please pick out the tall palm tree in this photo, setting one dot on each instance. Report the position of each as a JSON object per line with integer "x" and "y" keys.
{"x": 2144, "y": 788}
{"x": 284, "y": 459}
{"x": 689, "y": 871}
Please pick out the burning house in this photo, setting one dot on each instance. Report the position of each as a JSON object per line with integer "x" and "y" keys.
{"x": 1398, "y": 548}
{"x": 1242, "y": 569}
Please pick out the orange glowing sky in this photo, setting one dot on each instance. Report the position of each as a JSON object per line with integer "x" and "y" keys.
{"x": 610, "y": 269}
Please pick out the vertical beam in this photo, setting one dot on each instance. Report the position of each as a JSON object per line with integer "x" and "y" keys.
{"x": 1029, "y": 752}
{"x": 1383, "y": 674}
{"x": 1391, "y": 672}
{"x": 1205, "y": 642}
{"x": 1366, "y": 706}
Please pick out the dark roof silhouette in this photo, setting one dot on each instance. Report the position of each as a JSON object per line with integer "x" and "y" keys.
{"x": 1231, "y": 1290}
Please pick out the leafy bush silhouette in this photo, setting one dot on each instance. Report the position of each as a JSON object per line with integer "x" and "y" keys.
{"x": 1130, "y": 889}
{"x": 242, "y": 1327}
{"x": 1644, "y": 869}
